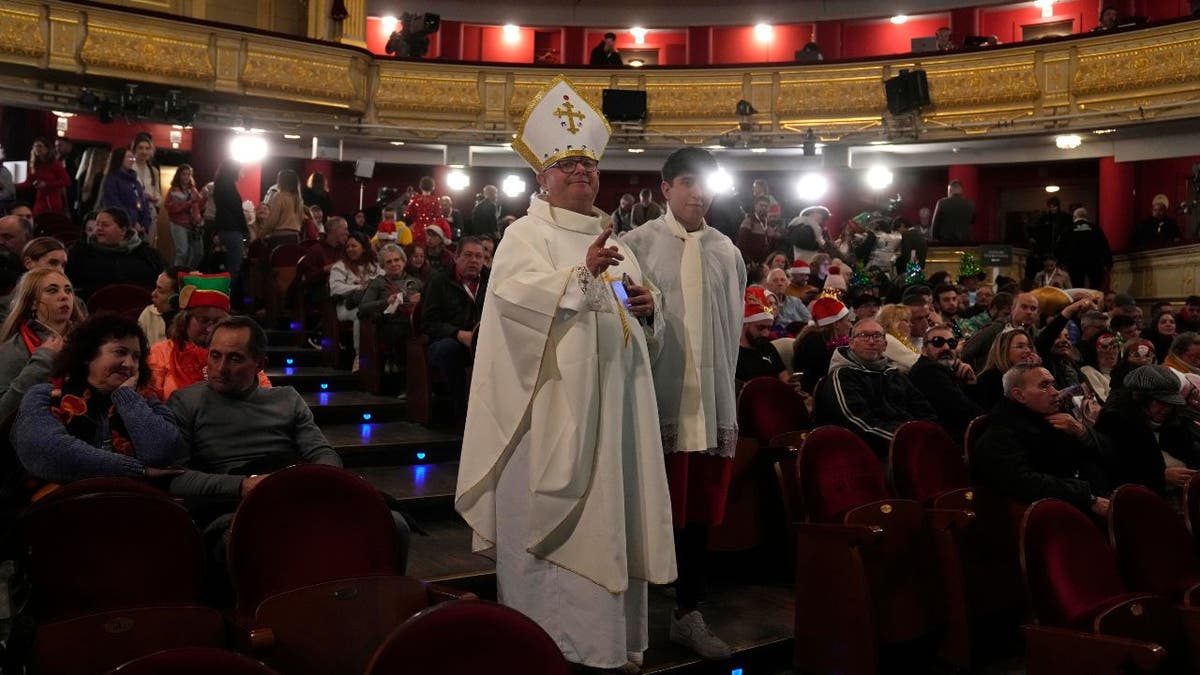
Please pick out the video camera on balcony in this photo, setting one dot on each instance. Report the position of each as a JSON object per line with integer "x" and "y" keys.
{"x": 412, "y": 40}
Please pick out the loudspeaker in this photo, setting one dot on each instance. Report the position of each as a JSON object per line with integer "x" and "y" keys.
{"x": 624, "y": 105}
{"x": 364, "y": 169}
{"x": 907, "y": 91}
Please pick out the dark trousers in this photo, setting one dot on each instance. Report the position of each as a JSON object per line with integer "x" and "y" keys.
{"x": 691, "y": 548}
{"x": 1086, "y": 275}
{"x": 450, "y": 359}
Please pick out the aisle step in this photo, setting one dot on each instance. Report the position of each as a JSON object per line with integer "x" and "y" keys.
{"x": 352, "y": 407}
{"x": 282, "y": 356}
{"x": 445, "y": 557}
{"x": 314, "y": 379}
{"x": 395, "y": 444}
{"x": 422, "y": 487}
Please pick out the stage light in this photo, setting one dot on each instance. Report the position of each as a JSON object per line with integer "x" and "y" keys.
{"x": 878, "y": 177}
{"x": 639, "y": 35}
{"x": 763, "y": 32}
{"x": 389, "y": 24}
{"x": 248, "y": 148}
{"x": 1052, "y": 189}
{"x": 513, "y": 186}
{"x": 719, "y": 181}
{"x": 1068, "y": 141}
{"x": 458, "y": 180}
{"x": 512, "y": 34}
{"x": 812, "y": 187}
{"x": 899, "y": 19}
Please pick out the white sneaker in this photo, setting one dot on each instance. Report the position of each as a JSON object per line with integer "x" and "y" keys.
{"x": 690, "y": 631}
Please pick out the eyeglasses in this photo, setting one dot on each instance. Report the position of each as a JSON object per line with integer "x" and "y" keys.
{"x": 869, "y": 336}
{"x": 940, "y": 342}
{"x": 568, "y": 165}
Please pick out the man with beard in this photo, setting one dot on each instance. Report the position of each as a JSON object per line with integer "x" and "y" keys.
{"x": 757, "y": 357}
{"x": 179, "y": 361}
{"x": 945, "y": 380}
{"x": 946, "y": 299}
{"x": 1053, "y": 344}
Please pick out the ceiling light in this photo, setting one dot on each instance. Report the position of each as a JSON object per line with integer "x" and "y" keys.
{"x": 812, "y": 187}
{"x": 899, "y": 19}
{"x": 388, "y": 23}
{"x": 513, "y": 186}
{"x": 1052, "y": 188}
{"x": 248, "y": 149}
{"x": 879, "y": 142}
{"x": 878, "y": 177}
{"x": 719, "y": 181}
{"x": 759, "y": 150}
{"x": 512, "y": 34}
{"x": 1047, "y": 7}
{"x": 763, "y": 32}
{"x": 714, "y": 147}
{"x": 1101, "y": 132}
{"x": 1068, "y": 141}
{"x": 457, "y": 180}
{"x": 639, "y": 35}
{"x": 637, "y": 151}
{"x": 59, "y": 113}
{"x": 292, "y": 137}
{"x": 397, "y": 143}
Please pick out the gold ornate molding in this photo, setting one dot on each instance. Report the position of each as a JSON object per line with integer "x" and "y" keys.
{"x": 1121, "y": 78}
{"x": 1166, "y": 274}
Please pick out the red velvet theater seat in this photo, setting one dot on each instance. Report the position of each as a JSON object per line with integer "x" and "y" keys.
{"x": 925, "y": 462}
{"x": 193, "y": 661}
{"x": 835, "y": 476}
{"x": 1154, "y": 550}
{"x": 768, "y": 407}
{"x": 499, "y": 641}
{"x": 1074, "y": 585}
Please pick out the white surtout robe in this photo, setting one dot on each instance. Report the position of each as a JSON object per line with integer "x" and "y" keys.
{"x": 562, "y": 465}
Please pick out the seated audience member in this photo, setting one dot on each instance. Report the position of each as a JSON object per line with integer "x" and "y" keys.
{"x": 897, "y": 325}
{"x": 1159, "y": 229}
{"x": 799, "y": 286}
{"x": 44, "y": 252}
{"x": 997, "y": 310}
{"x": 155, "y": 318}
{"x": 115, "y": 255}
{"x": 1161, "y": 331}
{"x": 946, "y": 381}
{"x": 1125, "y": 305}
{"x": 441, "y": 258}
{"x": 757, "y": 357}
{"x": 1051, "y": 275}
{"x": 15, "y": 233}
{"x": 390, "y": 298}
{"x": 1126, "y": 327}
{"x": 450, "y": 311}
{"x": 1151, "y": 443}
{"x": 1135, "y": 353}
{"x": 236, "y": 432}
{"x": 918, "y": 316}
{"x": 21, "y": 210}
{"x": 348, "y": 281}
{"x": 179, "y": 360}
{"x": 1054, "y": 346}
{"x": 1091, "y": 325}
{"x": 791, "y": 310}
{"x": 489, "y": 250}
{"x": 418, "y": 264}
{"x": 91, "y": 421}
{"x": 1098, "y": 373}
{"x": 1030, "y": 450}
{"x": 865, "y": 306}
{"x": 391, "y": 231}
{"x": 313, "y": 271}
{"x": 1188, "y": 318}
{"x": 1184, "y": 354}
{"x": 866, "y": 393}
{"x": 1024, "y": 316}
{"x": 815, "y": 344}
{"x": 43, "y": 312}
{"x": 1012, "y": 347}
{"x": 453, "y": 216}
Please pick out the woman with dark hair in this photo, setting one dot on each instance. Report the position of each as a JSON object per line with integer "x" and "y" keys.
{"x": 349, "y": 278}
{"x": 184, "y": 210}
{"x": 43, "y": 310}
{"x": 418, "y": 263}
{"x": 48, "y": 176}
{"x": 121, "y": 189}
{"x": 90, "y": 420}
{"x": 1102, "y": 361}
{"x": 229, "y": 224}
{"x": 316, "y": 192}
{"x": 425, "y": 210}
{"x": 1160, "y": 332}
{"x": 116, "y": 254}
{"x": 285, "y": 213}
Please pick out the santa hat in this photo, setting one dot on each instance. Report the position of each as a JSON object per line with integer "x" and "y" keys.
{"x": 204, "y": 290}
{"x": 834, "y": 279}
{"x": 827, "y": 310}
{"x": 800, "y": 267}
{"x": 757, "y": 306}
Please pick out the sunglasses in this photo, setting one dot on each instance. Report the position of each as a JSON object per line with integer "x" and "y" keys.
{"x": 940, "y": 342}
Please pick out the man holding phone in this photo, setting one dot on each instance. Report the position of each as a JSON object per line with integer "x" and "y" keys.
{"x": 562, "y": 468}
{"x": 702, "y": 278}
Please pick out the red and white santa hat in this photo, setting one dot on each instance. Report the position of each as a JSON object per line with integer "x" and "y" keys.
{"x": 758, "y": 308}
{"x": 826, "y": 310}
{"x": 800, "y": 267}
{"x": 834, "y": 280}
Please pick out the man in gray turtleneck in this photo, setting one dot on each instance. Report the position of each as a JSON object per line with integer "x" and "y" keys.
{"x": 865, "y": 393}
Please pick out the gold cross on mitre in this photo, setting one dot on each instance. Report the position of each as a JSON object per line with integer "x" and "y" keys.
{"x": 558, "y": 123}
{"x": 568, "y": 111}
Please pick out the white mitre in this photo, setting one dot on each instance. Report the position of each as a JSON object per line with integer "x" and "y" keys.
{"x": 559, "y": 123}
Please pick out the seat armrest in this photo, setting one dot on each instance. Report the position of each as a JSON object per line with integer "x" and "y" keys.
{"x": 247, "y": 637}
{"x": 441, "y": 593}
{"x": 946, "y": 519}
{"x": 1065, "y": 652}
{"x": 851, "y": 535}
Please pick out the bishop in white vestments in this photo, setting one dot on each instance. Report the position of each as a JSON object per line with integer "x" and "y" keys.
{"x": 562, "y": 467}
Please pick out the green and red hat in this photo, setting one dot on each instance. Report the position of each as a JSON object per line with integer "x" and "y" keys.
{"x": 204, "y": 290}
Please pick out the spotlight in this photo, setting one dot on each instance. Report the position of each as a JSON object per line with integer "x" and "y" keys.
{"x": 1068, "y": 141}
{"x": 878, "y": 177}
{"x": 719, "y": 181}
{"x": 899, "y": 19}
{"x": 812, "y": 187}
{"x": 1052, "y": 189}
{"x": 763, "y": 32}
{"x": 512, "y": 34}
{"x": 248, "y": 148}
{"x": 639, "y": 35}
{"x": 513, "y": 186}
{"x": 457, "y": 180}
{"x": 388, "y": 23}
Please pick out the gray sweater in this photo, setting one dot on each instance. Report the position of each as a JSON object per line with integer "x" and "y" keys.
{"x": 47, "y": 450}
{"x": 222, "y": 435}
{"x": 20, "y": 370}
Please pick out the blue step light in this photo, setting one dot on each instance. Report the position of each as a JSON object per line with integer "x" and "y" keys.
{"x": 323, "y": 399}
{"x": 324, "y": 386}
{"x": 289, "y": 361}
{"x": 296, "y": 326}
{"x": 736, "y": 671}
{"x": 366, "y": 417}
{"x": 420, "y": 456}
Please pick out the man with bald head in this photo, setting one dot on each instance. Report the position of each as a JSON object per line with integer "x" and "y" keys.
{"x": 866, "y": 393}
{"x": 485, "y": 218}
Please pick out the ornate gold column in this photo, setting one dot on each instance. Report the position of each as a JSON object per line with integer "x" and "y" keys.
{"x": 354, "y": 27}
{"x": 318, "y": 20}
